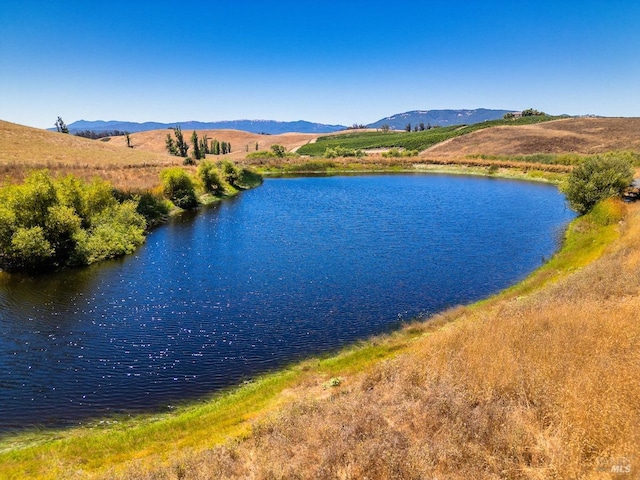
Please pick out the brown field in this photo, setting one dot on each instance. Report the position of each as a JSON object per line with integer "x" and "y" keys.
{"x": 574, "y": 135}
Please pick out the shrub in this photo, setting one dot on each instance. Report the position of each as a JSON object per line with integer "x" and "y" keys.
{"x": 229, "y": 172}
{"x": 116, "y": 231}
{"x": 29, "y": 248}
{"x": 152, "y": 207}
{"x": 178, "y": 187}
{"x": 46, "y": 223}
{"x": 343, "y": 152}
{"x": 595, "y": 179}
{"x": 279, "y": 150}
{"x": 209, "y": 178}
{"x": 310, "y": 166}
{"x": 248, "y": 178}
{"x": 397, "y": 153}
{"x": 261, "y": 154}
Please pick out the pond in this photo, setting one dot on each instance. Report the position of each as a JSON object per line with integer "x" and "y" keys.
{"x": 295, "y": 267}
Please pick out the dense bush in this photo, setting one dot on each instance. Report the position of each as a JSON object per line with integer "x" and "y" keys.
{"x": 248, "y": 179}
{"x": 397, "y": 153}
{"x": 178, "y": 187}
{"x": 595, "y": 179}
{"x": 229, "y": 172}
{"x": 261, "y": 154}
{"x": 47, "y": 223}
{"x": 210, "y": 178}
{"x": 338, "y": 151}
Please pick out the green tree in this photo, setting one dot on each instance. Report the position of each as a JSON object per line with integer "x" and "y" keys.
{"x": 61, "y": 127}
{"x": 595, "y": 179}
{"x": 196, "y": 146}
{"x": 171, "y": 145}
{"x": 229, "y": 172}
{"x": 204, "y": 146}
{"x": 532, "y": 112}
{"x": 30, "y": 248}
{"x": 279, "y": 150}
{"x": 209, "y": 178}
{"x": 32, "y": 200}
{"x": 407, "y": 128}
{"x": 116, "y": 231}
{"x": 178, "y": 187}
{"x": 181, "y": 144}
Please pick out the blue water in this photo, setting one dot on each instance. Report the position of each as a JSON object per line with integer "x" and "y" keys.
{"x": 295, "y": 267}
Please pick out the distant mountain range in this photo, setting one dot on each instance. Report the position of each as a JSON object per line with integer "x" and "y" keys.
{"x": 271, "y": 127}
{"x": 441, "y": 118}
{"x": 398, "y": 122}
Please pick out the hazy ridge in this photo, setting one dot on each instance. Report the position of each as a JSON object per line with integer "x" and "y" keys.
{"x": 272, "y": 127}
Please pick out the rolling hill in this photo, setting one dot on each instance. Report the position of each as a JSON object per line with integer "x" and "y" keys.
{"x": 23, "y": 148}
{"x": 572, "y": 135}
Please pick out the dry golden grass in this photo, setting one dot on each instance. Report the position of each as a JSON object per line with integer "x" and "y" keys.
{"x": 541, "y": 386}
{"x": 23, "y": 149}
{"x": 574, "y": 135}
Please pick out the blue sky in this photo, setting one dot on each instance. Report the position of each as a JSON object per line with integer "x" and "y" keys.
{"x": 339, "y": 62}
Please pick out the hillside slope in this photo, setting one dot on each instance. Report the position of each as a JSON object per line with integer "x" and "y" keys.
{"x": 572, "y": 135}
{"x": 23, "y": 149}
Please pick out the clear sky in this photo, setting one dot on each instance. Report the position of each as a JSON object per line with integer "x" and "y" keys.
{"x": 339, "y": 62}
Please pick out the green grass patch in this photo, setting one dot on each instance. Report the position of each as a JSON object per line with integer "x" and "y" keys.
{"x": 558, "y": 158}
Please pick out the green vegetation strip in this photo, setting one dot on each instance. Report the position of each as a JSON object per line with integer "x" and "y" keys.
{"x": 109, "y": 444}
{"x": 407, "y": 140}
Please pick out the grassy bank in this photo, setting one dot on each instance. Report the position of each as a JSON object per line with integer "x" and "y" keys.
{"x": 509, "y": 387}
{"x": 378, "y": 164}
